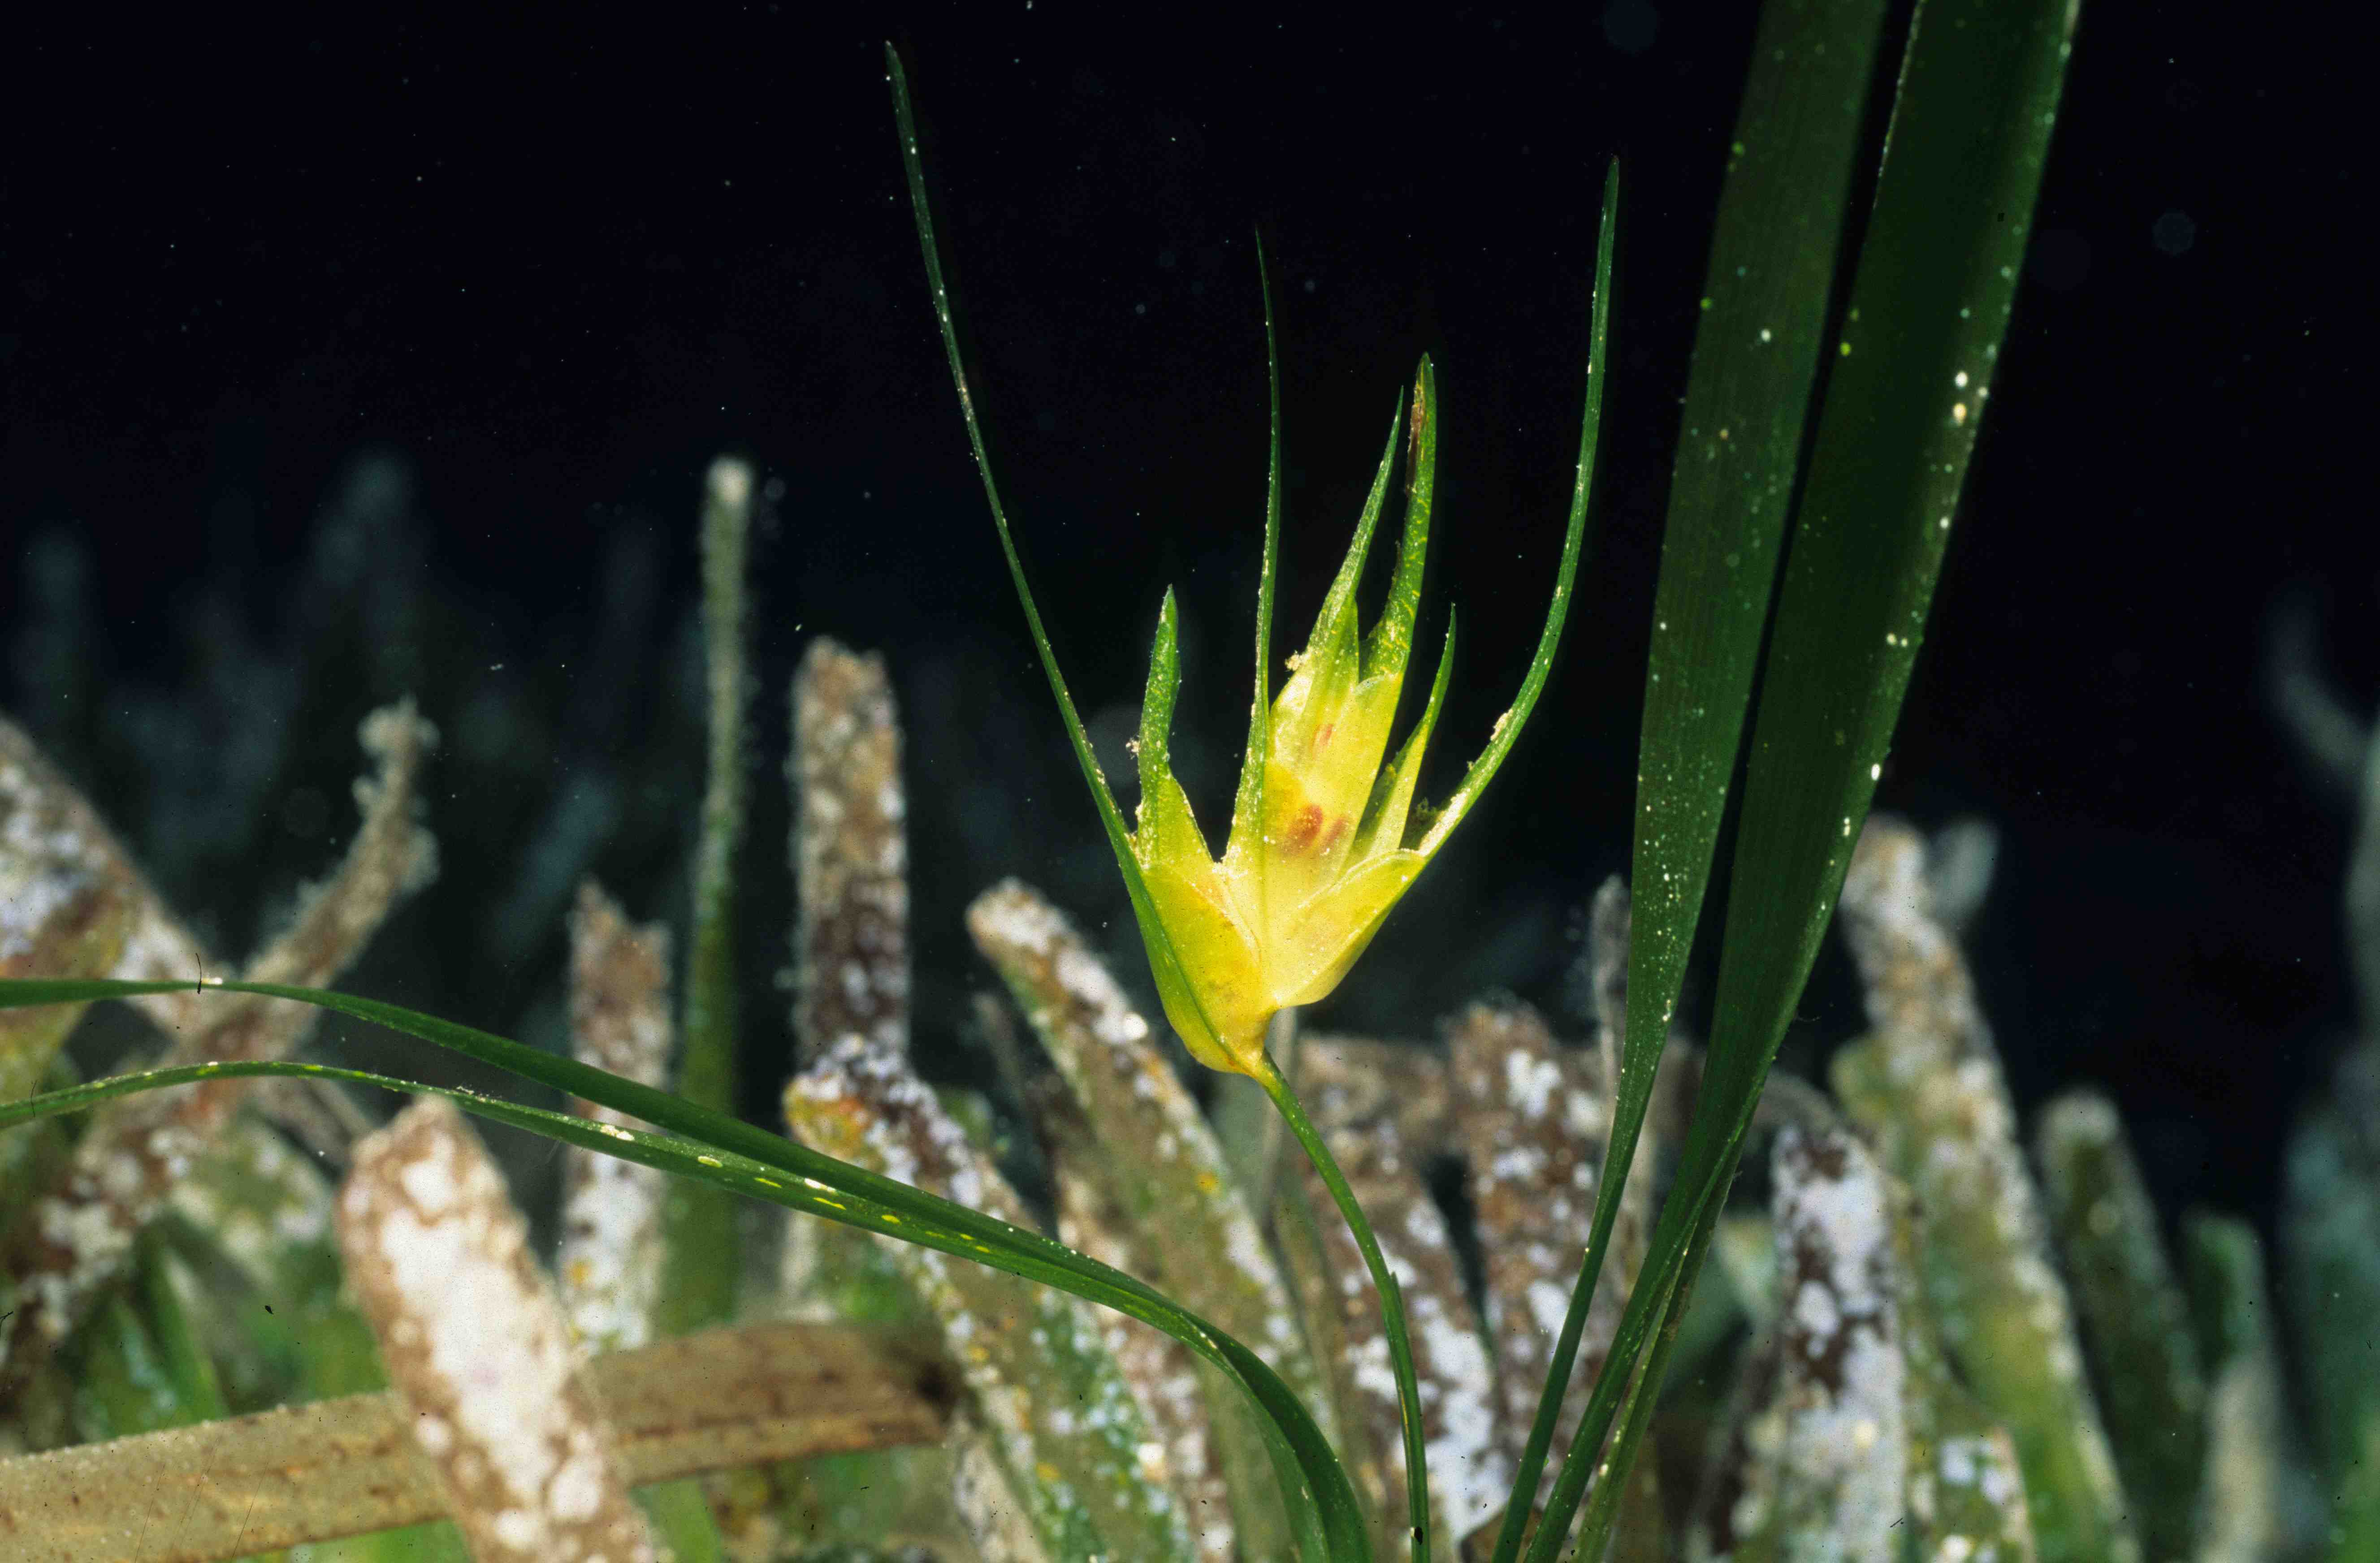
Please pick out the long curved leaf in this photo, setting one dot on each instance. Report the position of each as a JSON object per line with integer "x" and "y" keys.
{"x": 1160, "y": 949}
{"x": 1929, "y": 302}
{"x": 1929, "y": 305}
{"x": 698, "y": 1277}
{"x": 726, "y": 1152}
{"x": 1391, "y": 1295}
{"x": 1757, "y": 355}
{"x": 1507, "y": 731}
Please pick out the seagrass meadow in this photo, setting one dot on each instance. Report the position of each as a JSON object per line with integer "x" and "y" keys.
{"x": 1925, "y": 1311}
{"x": 644, "y": 938}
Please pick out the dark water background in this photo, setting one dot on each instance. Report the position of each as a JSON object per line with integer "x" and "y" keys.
{"x": 342, "y": 360}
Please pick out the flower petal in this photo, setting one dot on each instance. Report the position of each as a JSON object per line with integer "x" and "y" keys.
{"x": 1384, "y": 818}
{"x": 1329, "y": 932}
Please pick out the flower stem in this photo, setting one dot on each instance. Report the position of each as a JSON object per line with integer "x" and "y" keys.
{"x": 1384, "y": 1281}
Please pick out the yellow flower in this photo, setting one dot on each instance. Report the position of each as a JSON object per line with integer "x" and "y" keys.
{"x": 1323, "y": 841}
{"x": 1320, "y": 845}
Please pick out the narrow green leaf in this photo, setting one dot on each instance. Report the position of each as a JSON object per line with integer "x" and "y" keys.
{"x": 922, "y": 209}
{"x": 682, "y": 1518}
{"x": 1756, "y": 352}
{"x": 850, "y": 1499}
{"x": 168, "y": 1294}
{"x": 698, "y": 1276}
{"x": 1384, "y": 1282}
{"x": 1171, "y": 976}
{"x": 2151, "y": 1387}
{"x": 142, "y": 1367}
{"x": 1533, "y": 1457}
{"x": 121, "y": 1386}
{"x": 1665, "y": 1299}
{"x": 2252, "y": 1451}
{"x": 252, "y": 1218}
{"x": 1508, "y": 727}
{"x": 1247, "y": 803}
{"x": 707, "y": 1075}
{"x": 713, "y": 1148}
{"x": 1930, "y": 302}
{"x": 142, "y": 1364}
{"x": 1934, "y": 286}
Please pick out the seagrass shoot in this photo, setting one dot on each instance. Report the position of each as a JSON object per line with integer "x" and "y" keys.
{"x": 1802, "y": 422}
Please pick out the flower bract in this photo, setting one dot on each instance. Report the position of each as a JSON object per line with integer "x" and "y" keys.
{"x": 1324, "y": 837}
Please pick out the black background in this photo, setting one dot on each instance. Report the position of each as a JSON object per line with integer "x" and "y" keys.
{"x": 550, "y": 268}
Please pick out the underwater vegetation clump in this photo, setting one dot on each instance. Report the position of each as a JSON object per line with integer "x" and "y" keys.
{"x": 1108, "y": 1310}
{"x": 1911, "y": 1330}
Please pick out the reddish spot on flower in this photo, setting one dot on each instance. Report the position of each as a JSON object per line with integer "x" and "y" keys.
{"x": 1331, "y": 836}
{"x": 1312, "y": 832}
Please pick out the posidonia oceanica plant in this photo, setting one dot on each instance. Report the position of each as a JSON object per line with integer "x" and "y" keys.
{"x": 1846, "y": 430}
